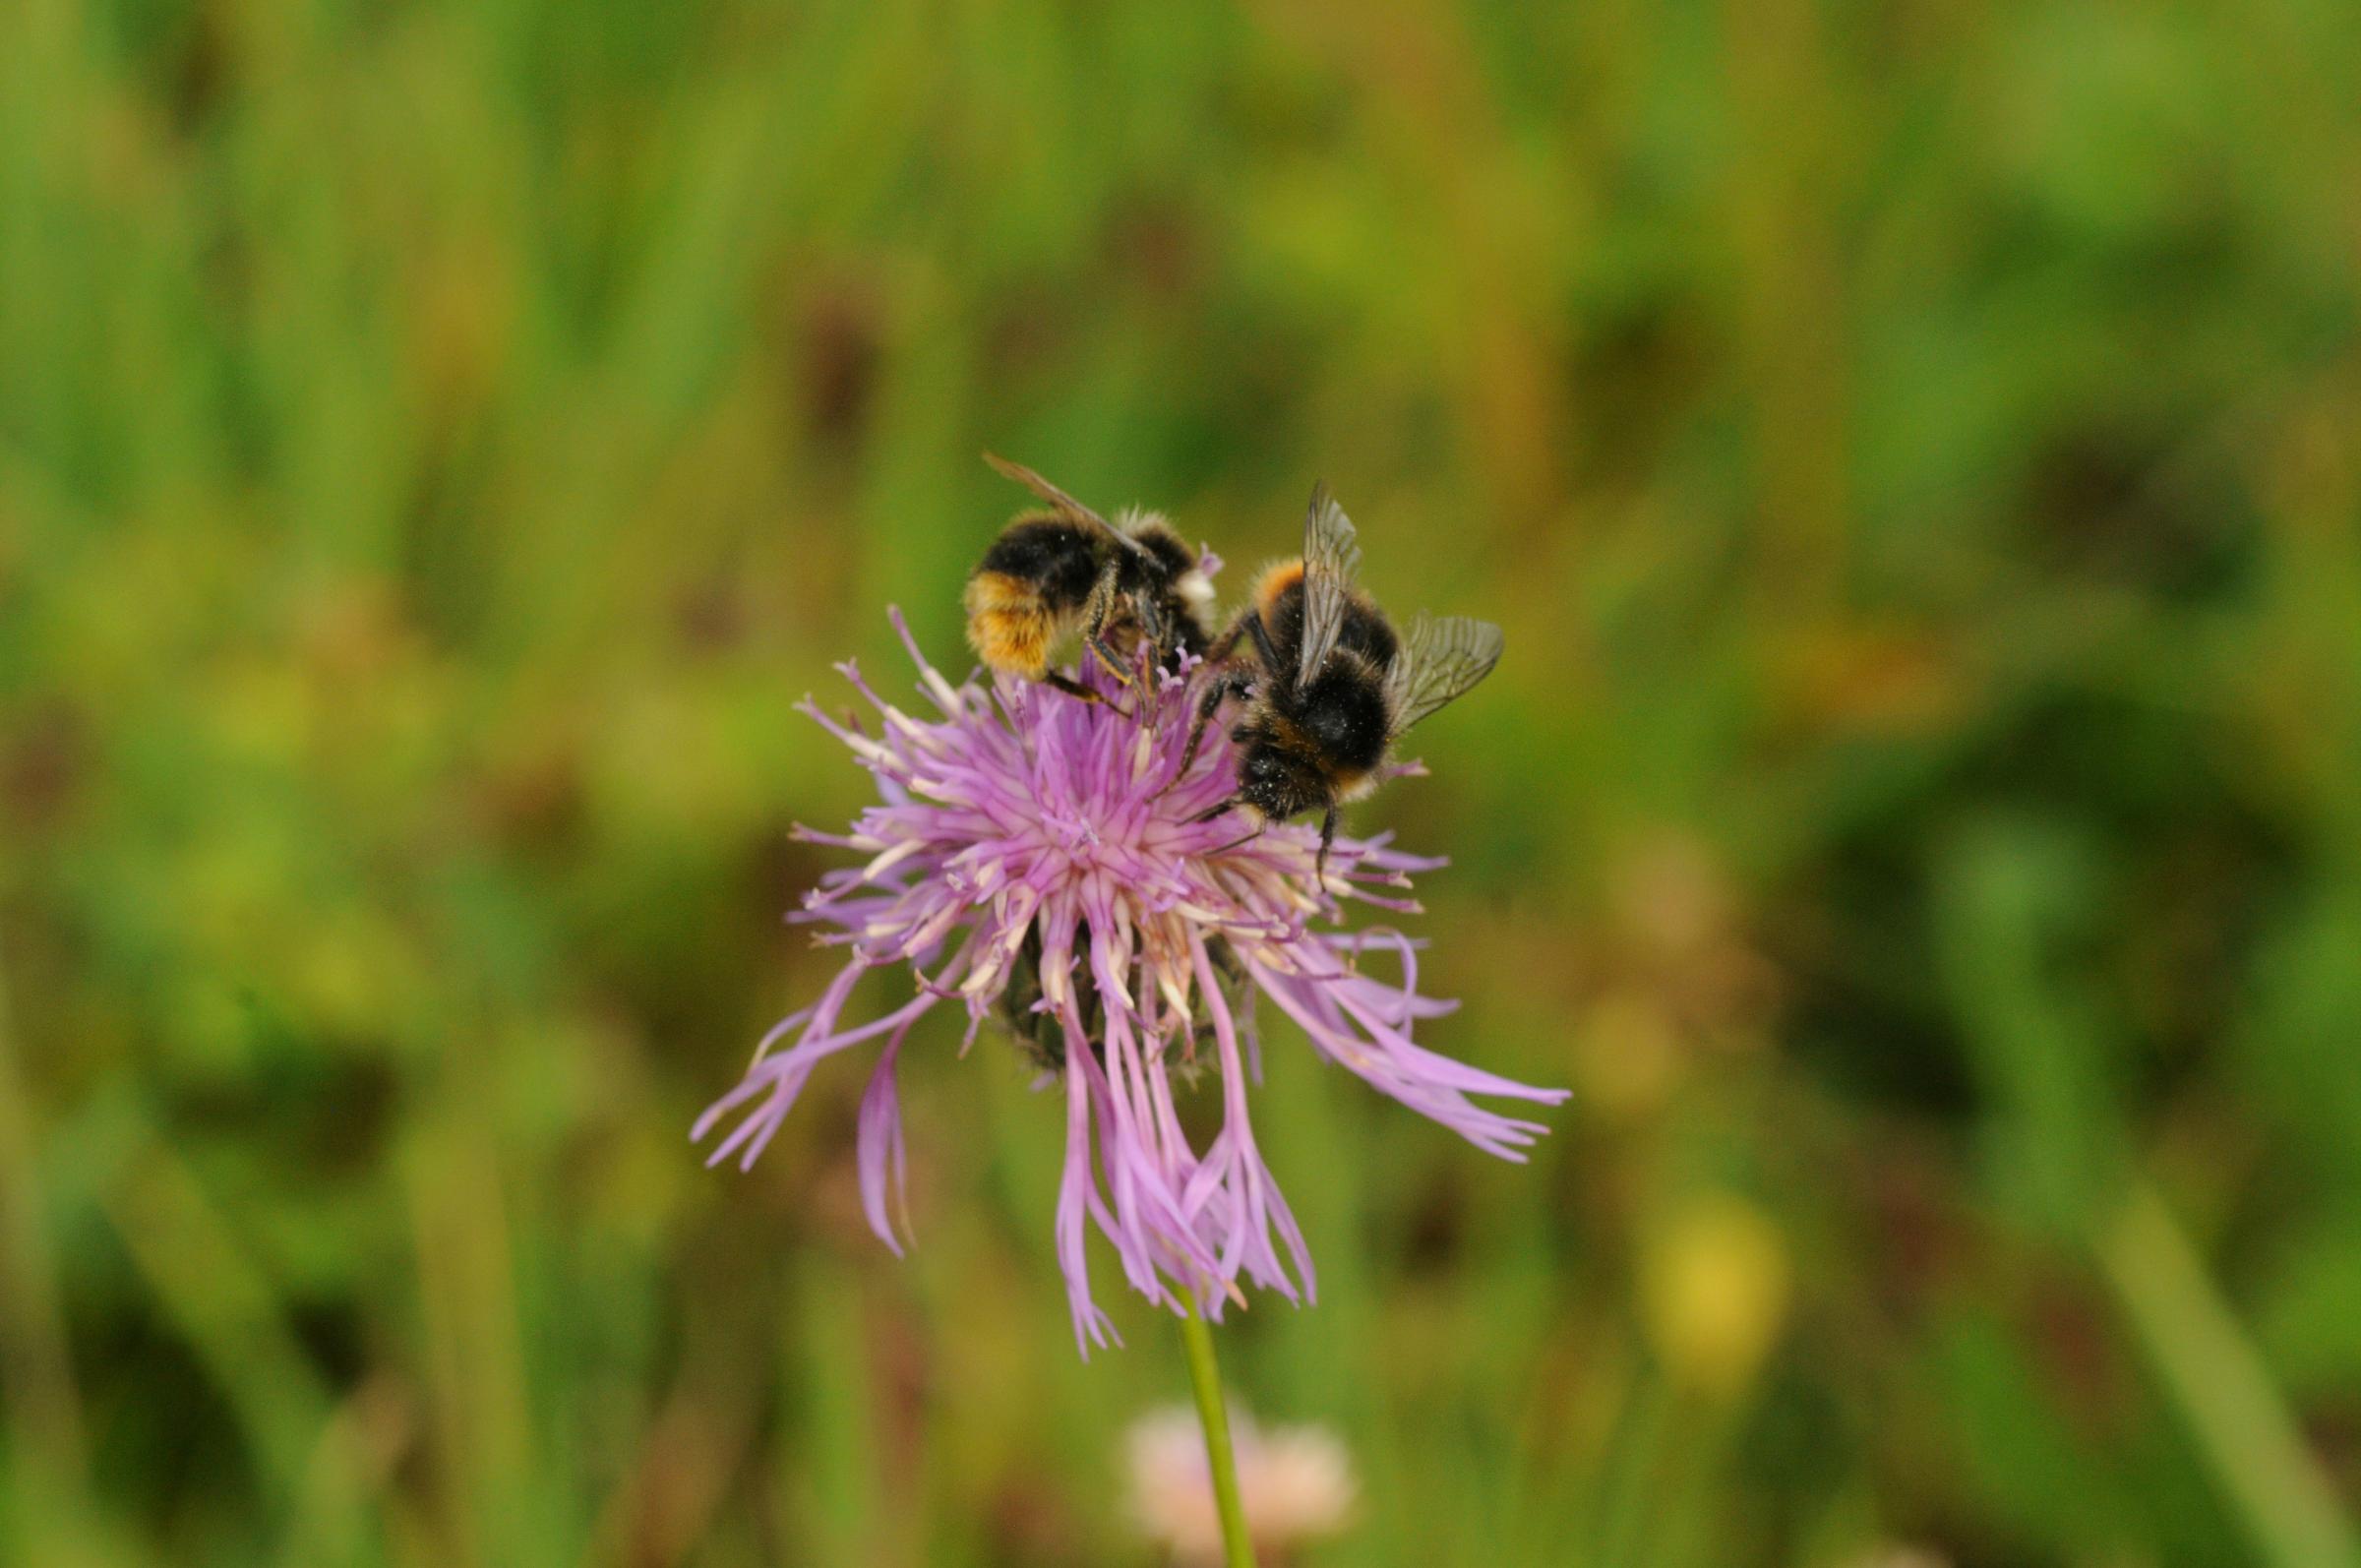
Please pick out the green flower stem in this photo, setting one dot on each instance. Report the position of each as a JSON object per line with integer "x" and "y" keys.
{"x": 1205, "y": 1377}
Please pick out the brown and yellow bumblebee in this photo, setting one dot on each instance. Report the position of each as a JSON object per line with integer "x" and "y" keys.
{"x": 1120, "y": 584}
{"x": 1331, "y": 687}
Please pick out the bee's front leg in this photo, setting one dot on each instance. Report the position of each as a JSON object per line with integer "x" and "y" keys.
{"x": 1234, "y": 683}
{"x": 1267, "y": 649}
{"x": 1225, "y": 645}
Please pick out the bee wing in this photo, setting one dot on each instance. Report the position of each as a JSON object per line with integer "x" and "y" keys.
{"x": 1060, "y": 500}
{"x": 1331, "y": 561}
{"x": 1439, "y": 659}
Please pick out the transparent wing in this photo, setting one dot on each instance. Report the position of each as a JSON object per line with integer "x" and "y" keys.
{"x": 1060, "y": 500}
{"x": 1331, "y": 561}
{"x": 1439, "y": 659}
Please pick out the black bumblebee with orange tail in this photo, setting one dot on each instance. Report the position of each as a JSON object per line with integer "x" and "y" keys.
{"x": 1120, "y": 584}
{"x": 1331, "y": 685}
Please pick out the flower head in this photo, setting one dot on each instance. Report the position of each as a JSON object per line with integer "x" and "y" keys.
{"x": 1295, "y": 1483}
{"x": 1035, "y": 860}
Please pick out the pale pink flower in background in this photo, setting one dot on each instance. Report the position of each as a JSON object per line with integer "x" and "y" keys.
{"x": 1901, "y": 1556}
{"x": 1038, "y": 860}
{"x": 1296, "y": 1482}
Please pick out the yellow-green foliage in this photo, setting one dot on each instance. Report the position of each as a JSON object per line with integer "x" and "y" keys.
{"x": 1912, "y": 448}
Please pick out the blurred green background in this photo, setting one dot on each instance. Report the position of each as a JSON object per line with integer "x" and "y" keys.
{"x": 1911, "y": 445}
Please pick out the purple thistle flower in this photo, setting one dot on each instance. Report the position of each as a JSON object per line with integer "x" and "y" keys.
{"x": 1034, "y": 862}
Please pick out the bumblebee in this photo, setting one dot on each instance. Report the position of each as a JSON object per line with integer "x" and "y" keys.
{"x": 1331, "y": 685}
{"x": 1120, "y": 584}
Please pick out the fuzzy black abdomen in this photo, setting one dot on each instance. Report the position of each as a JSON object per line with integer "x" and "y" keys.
{"x": 1343, "y": 713}
{"x": 1056, "y": 556}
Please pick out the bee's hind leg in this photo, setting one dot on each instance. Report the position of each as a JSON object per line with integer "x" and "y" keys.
{"x": 1096, "y": 610}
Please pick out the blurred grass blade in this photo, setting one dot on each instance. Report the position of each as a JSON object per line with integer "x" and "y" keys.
{"x": 48, "y": 1461}
{"x": 467, "y": 1287}
{"x": 231, "y": 1317}
{"x": 2226, "y": 1394}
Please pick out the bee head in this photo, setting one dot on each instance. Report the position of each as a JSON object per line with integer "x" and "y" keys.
{"x": 1275, "y": 781}
{"x": 1159, "y": 550}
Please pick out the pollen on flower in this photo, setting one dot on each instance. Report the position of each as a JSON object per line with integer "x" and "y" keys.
{"x": 1034, "y": 861}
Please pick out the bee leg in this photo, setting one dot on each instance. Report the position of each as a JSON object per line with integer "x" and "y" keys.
{"x": 1267, "y": 650}
{"x": 1095, "y": 613}
{"x": 1229, "y": 685}
{"x": 1212, "y": 811}
{"x": 1157, "y": 637}
{"x": 1238, "y": 843}
{"x": 1076, "y": 688}
{"x": 1112, "y": 660}
{"x": 1222, "y": 646}
{"x": 1319, "y": 864}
